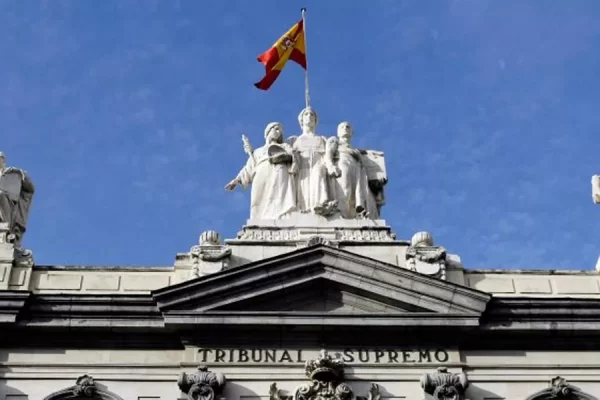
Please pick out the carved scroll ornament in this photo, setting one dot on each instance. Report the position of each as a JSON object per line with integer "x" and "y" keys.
{"x": 202, "y": 384}
{"x": 444, "y": 385}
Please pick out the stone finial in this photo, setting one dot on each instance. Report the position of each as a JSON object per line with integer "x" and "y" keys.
{"x": 210, "y": 238}
{"x": 423, "y": 257}
{"x": 202, "y": 384}
{"x": 444, "y": 385}
{"x": 84, "y": 387}
{"x": 421, "y": 239}
{"x": 596, "y": 189}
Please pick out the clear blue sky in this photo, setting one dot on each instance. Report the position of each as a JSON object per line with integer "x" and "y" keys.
{"x": 128, "y": 116}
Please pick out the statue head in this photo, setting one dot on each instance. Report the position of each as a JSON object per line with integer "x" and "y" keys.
{"x": 2, "y": 161}
{"x": 345, "y": 131}
{"x": 308, "y": 117}
{"x": 274, "y": 132}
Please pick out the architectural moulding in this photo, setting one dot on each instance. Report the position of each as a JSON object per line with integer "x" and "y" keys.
{"x": 560, "y": 389}
{"x": 326, "y": 374}
{"x": 85, "y": 388}
{"x": 311, "y": 276}
{"x": 444, "y": 385}
{"x": 202, "y": 384}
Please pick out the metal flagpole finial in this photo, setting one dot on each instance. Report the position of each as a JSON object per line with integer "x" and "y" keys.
{"x": 306, "y": 92}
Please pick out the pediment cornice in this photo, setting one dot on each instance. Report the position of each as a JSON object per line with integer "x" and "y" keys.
{"x": 408, "y": 298}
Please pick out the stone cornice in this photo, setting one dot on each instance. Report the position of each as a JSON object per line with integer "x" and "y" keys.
{"x": 234, "y": 288}
{"x": 529, "y": 314}
{"x": 11, "y": 304}
{"x": 100, "y": 311}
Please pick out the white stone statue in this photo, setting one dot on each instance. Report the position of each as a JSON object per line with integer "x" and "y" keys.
{"x": 16, "y": 193}
{"x": 351, "y": 187}
{"x": 315, "y": 167}
{"x": 596, "y": 189}
{"x": 271, "y": 170}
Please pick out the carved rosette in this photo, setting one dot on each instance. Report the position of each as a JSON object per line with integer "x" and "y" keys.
{"x": 201, "y": 385}
{"x": 444, "y": 385}
{"x": 84, "y": 386}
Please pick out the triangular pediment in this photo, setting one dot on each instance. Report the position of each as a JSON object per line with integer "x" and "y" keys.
{"x": 325, "y": 296}
{"x": 318, "y": 285}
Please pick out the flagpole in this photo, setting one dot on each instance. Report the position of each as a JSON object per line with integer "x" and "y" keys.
{"x": 306, "y": 93}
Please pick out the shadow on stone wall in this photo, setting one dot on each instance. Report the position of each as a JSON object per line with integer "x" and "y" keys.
{"x": 6, "y": 391}
{"x": 475, "y": 392}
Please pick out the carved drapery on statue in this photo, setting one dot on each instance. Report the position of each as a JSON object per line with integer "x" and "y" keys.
{"x": 309, "y": 173}
{"x": 351, "y": 188}
{"x": 444, "y": 385}
{"x": 16, "y": 194}
{"x": 202, "y": 384}
{"x": 270, "y": 170}
{"x": 596, "y": 189}
{"x": 315, "y": 167}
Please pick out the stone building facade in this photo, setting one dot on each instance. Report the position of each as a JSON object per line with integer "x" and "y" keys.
{"x": 307, "y": 307}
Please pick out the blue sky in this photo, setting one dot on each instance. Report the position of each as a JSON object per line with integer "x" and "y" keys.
{"x": 128, "y": 116}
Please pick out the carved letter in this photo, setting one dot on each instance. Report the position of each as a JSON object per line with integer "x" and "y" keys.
{"x": 348, "y": 355}
{"x": 286, "y": 357}
{"x": 424, "y": 355}
{"x": 441, "y": 356}
{"x": 204, "y": 353}
{"x": 270, "y": 355}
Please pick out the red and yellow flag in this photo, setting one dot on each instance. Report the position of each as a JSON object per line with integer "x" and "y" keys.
{"x": 290, "y": 46}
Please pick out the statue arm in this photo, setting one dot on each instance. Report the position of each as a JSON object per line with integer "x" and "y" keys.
{"x": 246, "y": 174}
{"x": 244, "y": 177}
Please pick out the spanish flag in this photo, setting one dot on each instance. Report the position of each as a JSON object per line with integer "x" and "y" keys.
{"x": 290, "y": 46}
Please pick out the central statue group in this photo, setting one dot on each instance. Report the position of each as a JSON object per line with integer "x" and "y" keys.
{"x": 311, "y": 173}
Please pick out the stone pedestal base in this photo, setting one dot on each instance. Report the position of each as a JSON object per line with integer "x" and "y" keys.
{"x": 300, "y": 228}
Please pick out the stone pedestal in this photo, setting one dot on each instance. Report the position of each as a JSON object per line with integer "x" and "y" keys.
{"x": 299, "y": 229}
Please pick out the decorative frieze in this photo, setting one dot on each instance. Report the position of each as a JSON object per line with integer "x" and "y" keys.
{"x": 202, "y": 384}
{"x": 294, "y": 234}
{"x": 444, "y": 385}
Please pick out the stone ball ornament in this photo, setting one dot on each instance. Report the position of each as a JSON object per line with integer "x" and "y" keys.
{"x": 421, "y": 239}
{"x": 210, "y": 238}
